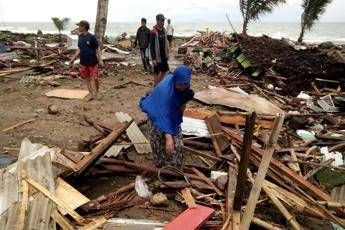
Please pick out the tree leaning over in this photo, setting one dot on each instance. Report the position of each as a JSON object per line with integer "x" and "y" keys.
{"x": 312, "y": 10}
{"x": 252, "y": 10}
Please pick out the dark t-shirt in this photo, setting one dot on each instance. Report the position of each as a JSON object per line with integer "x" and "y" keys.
{"x": 88, "y": 46}
{"x": 161, "y": 38}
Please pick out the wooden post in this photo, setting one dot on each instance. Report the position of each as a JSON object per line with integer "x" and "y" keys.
{"x": 265, "y": 162}
{"x": 101, "y": 20}
{"x": 243, "y": 165}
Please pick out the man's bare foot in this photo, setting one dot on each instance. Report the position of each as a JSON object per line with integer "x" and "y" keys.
{"x": 89, "y": 97}
{"x": 99, "y": 97}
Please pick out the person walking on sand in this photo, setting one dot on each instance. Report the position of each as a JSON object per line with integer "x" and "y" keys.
{"x": 159, "y": 49}
{"x": 164, "y": 107}
{"x": 170, "y": 33}
{"x": 143, "y": 37}
{"x": 90, "y": 56}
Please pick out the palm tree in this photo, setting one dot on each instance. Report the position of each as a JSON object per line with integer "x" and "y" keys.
{"x": 60, "y": 24}
{"x": 253, "y": 9}
{"x": 312, "y": 9}
{"x": 101, "y": 20}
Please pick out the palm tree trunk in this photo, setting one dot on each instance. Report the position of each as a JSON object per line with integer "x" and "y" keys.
{"x": 245, "y": 26}
{"x": 301, "y": 35}
{"x": 101, "y": 20}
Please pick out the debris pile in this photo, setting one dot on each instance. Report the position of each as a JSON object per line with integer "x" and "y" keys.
{"x": 289, "y": 66}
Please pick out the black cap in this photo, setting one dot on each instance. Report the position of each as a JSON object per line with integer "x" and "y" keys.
{"x": 84, "y": 24}
{"x": 160, "y": 17}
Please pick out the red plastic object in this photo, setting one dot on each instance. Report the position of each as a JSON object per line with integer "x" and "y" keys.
{"x": 190, "y": 219}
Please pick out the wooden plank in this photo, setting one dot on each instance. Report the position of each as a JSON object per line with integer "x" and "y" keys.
{"x": 101, "y": 148}
{"x": 96, "y": 223}
{"x": 24, "y": 205}
{"x": 68, "y": 93}
{"x": 187, "y": 196}
{"x": 284, "y": 171}
{"x": 220, "y": 142}
{"x": 62, "y": 221}
{"x": 17, "y": 125}
{"x": 191, "y": 219}
{"x": 56, "y": 200}
{"x": 263, "y": 168}
{"x": 243, "y": 165}
{"x": 208, "y": 181}
{"x": 205, "y": 155}
{"x": 230, "y": 193}
{"x": 228, "y": 119}
{"x": 236, "y": 220}
{"x": 72, "y": 155}
{"x": 290, "y": 218}
{"x": 69, "y": 195}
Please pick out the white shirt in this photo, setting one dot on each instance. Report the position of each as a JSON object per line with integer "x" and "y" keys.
{"x": 170, "y": 29}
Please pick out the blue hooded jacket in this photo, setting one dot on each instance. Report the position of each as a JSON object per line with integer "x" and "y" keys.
{"x": 163, "y": 105}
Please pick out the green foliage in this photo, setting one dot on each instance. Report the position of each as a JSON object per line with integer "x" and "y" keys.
{"x": 253, "y": 9}
{"x": 312, "y": 10}
{"x": 60, "y": 24}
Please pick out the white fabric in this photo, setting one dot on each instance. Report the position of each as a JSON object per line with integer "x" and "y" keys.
{"x": 170, "y": 29}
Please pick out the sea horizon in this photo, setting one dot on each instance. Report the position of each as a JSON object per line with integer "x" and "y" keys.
{"x": 321, "y": 32}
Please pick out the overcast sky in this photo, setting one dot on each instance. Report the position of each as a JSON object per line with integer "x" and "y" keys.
{"x": 133, "y": 10}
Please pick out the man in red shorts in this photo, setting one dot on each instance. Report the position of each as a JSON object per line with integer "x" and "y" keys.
{"x": 90, "y": 57}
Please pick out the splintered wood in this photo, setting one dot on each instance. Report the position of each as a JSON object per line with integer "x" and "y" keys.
{"x": 220, "y": 142}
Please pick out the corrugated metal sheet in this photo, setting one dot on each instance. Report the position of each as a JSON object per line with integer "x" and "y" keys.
{"x": 194, "y": 127}
{"x": 36, "y": 161}
{"x": 135, "y": 134}
{"x": 115, "y": 150}
{"x": 338, "y": 194}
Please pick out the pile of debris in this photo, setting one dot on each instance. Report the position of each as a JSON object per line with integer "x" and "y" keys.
{"x": 283, "y": 63}
{"x": 247, "y": 161}
{"x": 40, "y": 57}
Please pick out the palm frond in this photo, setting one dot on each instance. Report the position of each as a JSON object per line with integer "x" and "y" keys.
{"x": 60, "y": 23}
{"x": 253, "y": 9}
{"x": 313, "y": 9}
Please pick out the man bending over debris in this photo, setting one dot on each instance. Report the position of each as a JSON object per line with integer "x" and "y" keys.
{"x": 159, "y": 48}
{"x": 90, "y": 57}
{"x": 143, "y": 37}
{"x": 164, "y": 107}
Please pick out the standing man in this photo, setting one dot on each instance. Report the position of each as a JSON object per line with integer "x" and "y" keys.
{"x": 170, "y": 32}
{"x": 90, "y": 56}
{"x": 143, "y": 37}
{"x": 159, "y": 49}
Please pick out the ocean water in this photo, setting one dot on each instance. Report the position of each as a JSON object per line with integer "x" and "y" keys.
{"x": 324, "y": 31}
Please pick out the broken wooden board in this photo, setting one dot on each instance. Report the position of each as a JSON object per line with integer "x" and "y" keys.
{"x": 17, "y": 125}
{"x": 249, "y": 103}
{"x": 188, "y": 198}
{"x": 70, "y": 195}
{"x": 101, "y": 148}
{"x": 228, "y": 119}
{"x": 68, "y": 93}
{"x": 220, "y": 142}
{"x": 141, "y": 144}
{"x": 191, "y": 219}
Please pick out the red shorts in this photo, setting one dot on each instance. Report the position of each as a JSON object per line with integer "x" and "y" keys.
{"x": 89, "y": 71}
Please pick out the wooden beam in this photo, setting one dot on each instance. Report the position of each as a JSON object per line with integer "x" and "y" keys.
{"x": 62, "y": 221}
{"x": 95, "y": 224}
{"x": 100, "y": 149}
{"x": 205, "y": 155}
{"x": 25, "y": 204}
{"x": 220, "y": 142}
{"x": 56, "y": 200}
{"x": 243, "y": 165}
{"x": 208, "y": 181}
{"x": 263, "y": 168}
{"x": 17, "y": 125}
{"x": 188, "y": 197}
